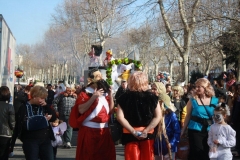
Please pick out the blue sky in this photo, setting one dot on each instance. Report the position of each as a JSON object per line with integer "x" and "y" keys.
{"x": 28, "y": 19}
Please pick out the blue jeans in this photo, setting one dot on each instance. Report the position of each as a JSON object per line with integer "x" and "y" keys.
{"x": 38, "y": 148}
{"x": 67, "y": 136}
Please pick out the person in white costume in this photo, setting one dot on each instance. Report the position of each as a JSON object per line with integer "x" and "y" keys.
{"x": 221, "y": 136}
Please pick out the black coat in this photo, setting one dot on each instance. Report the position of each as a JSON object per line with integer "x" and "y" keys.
{"x": 21, "y": 121}
{"x": 7, "y": 119}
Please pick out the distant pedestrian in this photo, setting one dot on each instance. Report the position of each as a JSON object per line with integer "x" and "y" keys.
{"x": 221, "y": 136}
{"x": 178, "y": 102}
{"x": 20, "y": 98}
{"x": 63, "y": 104}
{"x": 7, "y": 122}
{"x": 51, "y": 94}
{"x": 121, "y": 90}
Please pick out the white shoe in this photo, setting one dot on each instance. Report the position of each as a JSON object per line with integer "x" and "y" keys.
{"x": 68, "y": 145}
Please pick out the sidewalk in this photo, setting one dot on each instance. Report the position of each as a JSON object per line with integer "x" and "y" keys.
{"x": 68, "y": 154}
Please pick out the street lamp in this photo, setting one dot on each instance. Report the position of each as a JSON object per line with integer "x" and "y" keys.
{"x": 18, "y": 73}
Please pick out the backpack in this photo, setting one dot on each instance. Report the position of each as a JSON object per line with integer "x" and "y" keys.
{"x": 36, "y": 122}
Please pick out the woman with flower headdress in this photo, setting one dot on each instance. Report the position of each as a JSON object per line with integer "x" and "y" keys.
{"x": 91, "y": 114}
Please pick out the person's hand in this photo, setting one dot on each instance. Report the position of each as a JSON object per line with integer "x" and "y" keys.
{"x": 134, "y": 133}
{"x": 213, "y": 149}
{"x": 98, "y": 93}
{"x": 182, "y": 132}
{"x": 230, "y": 93}
{"x": 48, "y": 117}
{"x": 74, "y": 95}
{"x": 215, "y": 141}
{"x": 182, "y": 124}
{"x": 169, "y": 146}
{"x": 144, "y": 134}
{"x": 110, "y": 92}
{"x": 42, "y": 102}
{"x": 57, "y": 114}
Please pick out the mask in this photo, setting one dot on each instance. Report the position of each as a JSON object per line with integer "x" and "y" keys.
{"x": 218, "y": 118}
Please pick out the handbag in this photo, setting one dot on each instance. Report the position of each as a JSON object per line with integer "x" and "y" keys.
{"x": 35, "y": 122}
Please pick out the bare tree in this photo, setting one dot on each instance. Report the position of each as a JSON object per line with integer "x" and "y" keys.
{"x": 188, "y": 20}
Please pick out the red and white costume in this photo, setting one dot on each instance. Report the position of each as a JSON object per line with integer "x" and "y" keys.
{"x": 94, "y": 139}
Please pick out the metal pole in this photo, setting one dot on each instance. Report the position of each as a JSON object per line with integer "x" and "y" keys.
{"x": 188, "y": 69}
{"x": 18, "y": 78}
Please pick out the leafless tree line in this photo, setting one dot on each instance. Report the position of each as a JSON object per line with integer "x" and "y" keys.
{"x": 161, "y": 31}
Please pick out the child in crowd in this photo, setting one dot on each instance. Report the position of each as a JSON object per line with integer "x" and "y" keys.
{"x": 58, "y": 132}
{"x": 178, "y": 102}
{"x": 221, "y": 136}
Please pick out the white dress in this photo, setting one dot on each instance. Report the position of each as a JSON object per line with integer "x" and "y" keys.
{"x": 226, "y": 137}
{"x": 58, "y": 141}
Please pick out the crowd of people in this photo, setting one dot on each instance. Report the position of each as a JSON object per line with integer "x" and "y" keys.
{"x": 154, "y": 118}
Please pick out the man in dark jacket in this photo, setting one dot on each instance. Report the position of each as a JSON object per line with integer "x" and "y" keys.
{"x": 51, "y": 94}
{"x": 121, "y": 90}
{"x": 20, "y": 97}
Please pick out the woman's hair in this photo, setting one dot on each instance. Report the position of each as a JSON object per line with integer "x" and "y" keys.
{"x": 231, "y": 76}
{"x": 57, "y": 121}
{"x": 220, "y": 82}
{"x": 5, "y": 94}
{"x": 38, "y": 91}
{"x": 103, "y": 84}
{"x": 205, "y": 83}
{"x": 27, "y": 88}
{"x": 237, "y": 92}
{"x": 90, "y": 73}
{"x": 179, "y": 89}
{"x": 138, "y": 81}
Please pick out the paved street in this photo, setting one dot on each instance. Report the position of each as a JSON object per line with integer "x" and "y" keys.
{"x": 68, "y": 154}
{"x": 63, "y": 154}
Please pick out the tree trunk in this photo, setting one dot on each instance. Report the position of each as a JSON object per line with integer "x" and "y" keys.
{"x": 156, "y": 68}
{"x": 188, "y": 26}
{"x": 65, "y": 74}
{"x": 206, "y": 72}
{"x": 185, "y": 68}
{"x": 224, "y": 65}
{"x": 171, "y": 68}
{"x": 238, "y": 69}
